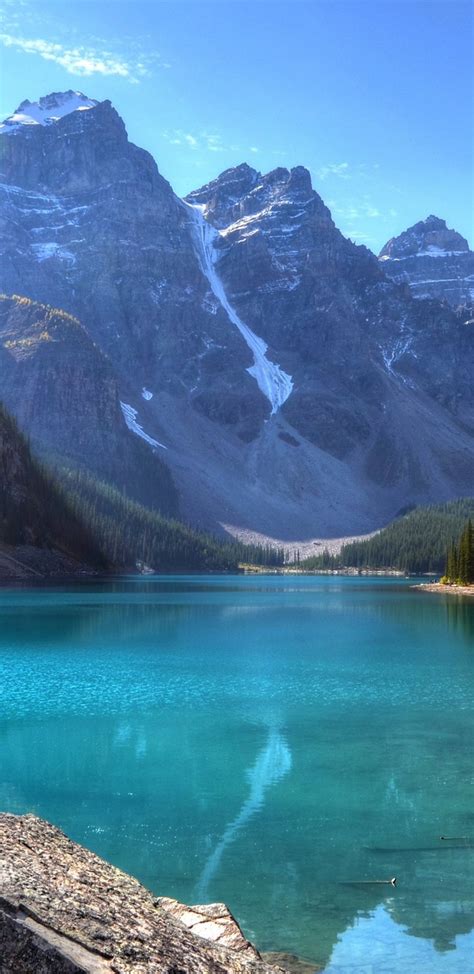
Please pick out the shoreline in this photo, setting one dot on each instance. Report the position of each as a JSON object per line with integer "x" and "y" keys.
{"x": 440, "y": 589}
{"x": 95, "y": 576}
{"x": 350, "y": 571}
{"x": 89, "y": 577}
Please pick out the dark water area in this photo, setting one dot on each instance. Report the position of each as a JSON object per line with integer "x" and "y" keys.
{"x": 275, "y": 742}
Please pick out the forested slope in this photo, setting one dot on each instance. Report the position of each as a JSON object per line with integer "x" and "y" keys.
{"x": 416, "y": 542}
{"x": 129, "y": 533}
{"x": 34, "y": 511}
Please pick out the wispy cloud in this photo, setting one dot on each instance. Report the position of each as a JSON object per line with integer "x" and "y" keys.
{"x": 82, "y": 61}
{"x": 347, "y": 170}
{"x": 355, "y": 211}
{"x": 203, "y": 141}
{"x": 356, "y": 235}
{"x": 180, "y": 137}
{"x": 339, "y": 169}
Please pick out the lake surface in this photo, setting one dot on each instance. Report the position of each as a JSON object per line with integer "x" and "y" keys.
{"x": 270, "y": 742}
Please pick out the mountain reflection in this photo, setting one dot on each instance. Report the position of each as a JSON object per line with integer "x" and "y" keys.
{"x": 378, "y": 943}
{"x": 272, "y": 763}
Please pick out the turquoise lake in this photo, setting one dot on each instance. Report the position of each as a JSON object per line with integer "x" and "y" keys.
{"x": 272, "y": 742}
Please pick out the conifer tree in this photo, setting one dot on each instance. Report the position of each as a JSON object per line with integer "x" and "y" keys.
{"x": 469, "y": 553}
{"x": 465, "y": 568}
{"x": 451, "y": 572}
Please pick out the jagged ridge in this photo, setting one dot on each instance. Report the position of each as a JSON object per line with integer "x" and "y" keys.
{"x": 91, "y": 226}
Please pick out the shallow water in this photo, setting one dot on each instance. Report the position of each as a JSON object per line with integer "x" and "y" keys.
{"x": 267, "y": 741}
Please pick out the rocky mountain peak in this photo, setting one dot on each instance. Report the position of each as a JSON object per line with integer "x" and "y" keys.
{"x": 300, "y": 178}
{"x": 430, "y": 237}
{"x": 434, "y": 222}
{"x": 225, "y": 192}
{"x": 47, "y": 110}
{"x": 433, "y": 260}
{"x": 66, "y": 143}
{"x": 242, "y": 192}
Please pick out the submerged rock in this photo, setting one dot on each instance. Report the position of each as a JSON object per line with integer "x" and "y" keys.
{"x": 63, "y": 910}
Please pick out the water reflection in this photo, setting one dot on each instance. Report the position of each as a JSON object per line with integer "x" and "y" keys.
{"x": 377, "y": 944}
{"x": 272, "y": 763}
{"x": 145, "y": 718}
{"x": 460, "y": 616}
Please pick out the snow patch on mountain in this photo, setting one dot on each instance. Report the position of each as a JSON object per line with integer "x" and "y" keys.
{"x": 431, "y": 251}
{"x": 130, "y": 417}
{"x": 275, "y": 384}
{"x": 44, "y": 251}
{"x": 47, "y": 110}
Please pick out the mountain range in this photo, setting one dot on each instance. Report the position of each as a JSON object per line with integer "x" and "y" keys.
{"x": 230, "y": 358}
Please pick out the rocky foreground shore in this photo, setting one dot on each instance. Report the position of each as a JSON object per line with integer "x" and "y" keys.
{"x": 63, "y": 910}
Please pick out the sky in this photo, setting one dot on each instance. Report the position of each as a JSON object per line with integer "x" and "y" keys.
{"x": 376, "y": 99}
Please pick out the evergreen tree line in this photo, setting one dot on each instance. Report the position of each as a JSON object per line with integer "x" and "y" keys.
{"x": 128, "y": 533}
{"x": 33, "y": 508}
{"x": 460, "y": 559}
{"x": 416, "y": 542}
{"x": 89, "y": 520}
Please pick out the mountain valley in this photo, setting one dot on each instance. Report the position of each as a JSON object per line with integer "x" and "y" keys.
{"x": 232, "y": 357}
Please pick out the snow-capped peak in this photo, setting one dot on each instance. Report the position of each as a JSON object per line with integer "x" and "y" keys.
{"x": 47, "y": 110}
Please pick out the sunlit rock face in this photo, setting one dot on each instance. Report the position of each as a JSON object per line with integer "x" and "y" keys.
{"x": 103, "y": 236}
{"x": 434, "y": 261}
{"x": 63, "y": 391}
{"x": 354, "y": 343}
{"x": 282, "y": 365}
{"x": 66, "y": 911}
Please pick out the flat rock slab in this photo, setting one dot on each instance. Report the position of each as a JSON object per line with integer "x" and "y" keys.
{"x": 212, "y": 921}
{"x": 63, "y": 910}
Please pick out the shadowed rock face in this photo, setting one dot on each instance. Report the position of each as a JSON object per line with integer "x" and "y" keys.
{"x": 39, "y": 533}
{"x": 183, "y": 297}
{"x": 64, "y": 392}
{"x": 65, "y": 911}
{"x": 433, "y": 260}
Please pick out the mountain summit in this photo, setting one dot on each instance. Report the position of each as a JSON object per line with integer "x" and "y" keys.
{"x": 268, "y": 361}
{"x": 47, "y": 110}
{"x": 434, "y": 260}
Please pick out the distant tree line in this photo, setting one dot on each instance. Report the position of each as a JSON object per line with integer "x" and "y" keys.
{"x": 416, "y": 542}
{"x": 128, "y": 532}
{"x": 460, "y": 559}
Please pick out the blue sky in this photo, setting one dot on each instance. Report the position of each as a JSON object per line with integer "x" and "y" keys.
{"x": 375, "y": 98}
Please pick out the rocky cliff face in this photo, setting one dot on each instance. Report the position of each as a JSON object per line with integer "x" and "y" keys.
{"x": 103, "y": 236}
{"x": 269, "y": 362}
{"x": 64, "y": 392}
{"x": 363, "y": 356}
{"x": 434, "y": 261}
{"x": 65, "y": 911}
